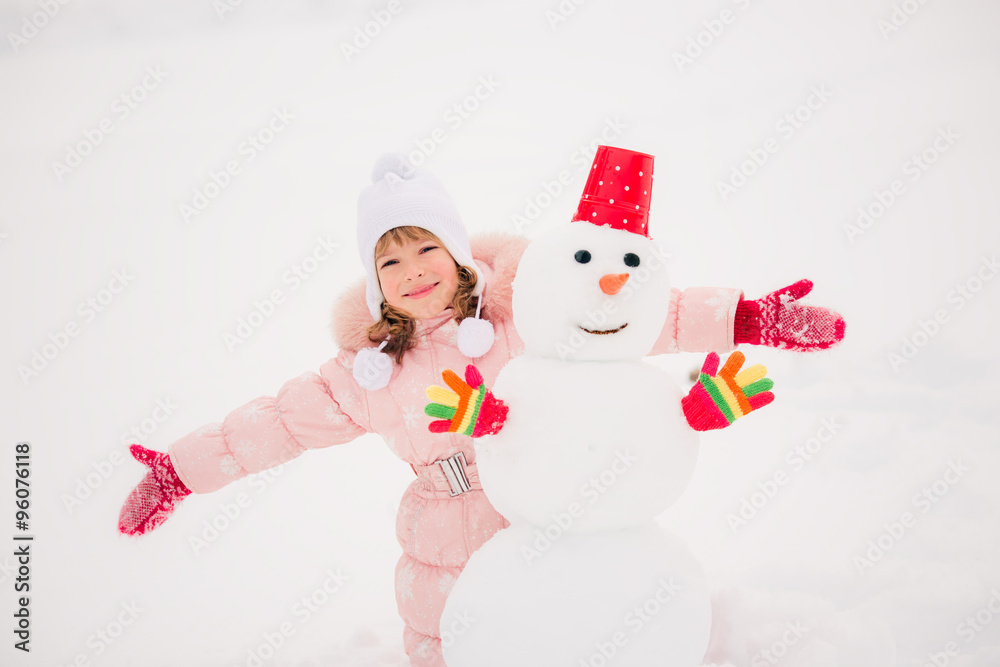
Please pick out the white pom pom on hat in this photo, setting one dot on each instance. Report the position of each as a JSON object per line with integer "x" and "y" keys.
{"x": 391, "y": 163}
{"x": 402, "y": 195}
{"x": 372, "y": 367}
{"x": 475, "y": 336}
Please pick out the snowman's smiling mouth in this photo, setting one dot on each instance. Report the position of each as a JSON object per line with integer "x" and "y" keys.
{"x": 605, "y": 331}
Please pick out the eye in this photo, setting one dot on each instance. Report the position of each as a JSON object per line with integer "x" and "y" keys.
{"x": 582, "y": 256}
{"x": 632, "y": 259}
{"x": 392, "y": 261}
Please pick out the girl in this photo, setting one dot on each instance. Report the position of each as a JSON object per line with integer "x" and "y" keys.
{"x": 426, "y": 291}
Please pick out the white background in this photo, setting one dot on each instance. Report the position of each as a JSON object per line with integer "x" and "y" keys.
{"x": 558, "y": 84}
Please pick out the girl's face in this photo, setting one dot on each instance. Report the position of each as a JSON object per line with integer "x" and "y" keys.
{"x": 420, "y": 277}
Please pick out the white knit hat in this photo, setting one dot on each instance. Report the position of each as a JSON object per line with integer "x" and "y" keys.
{"x": 402, "y": 195}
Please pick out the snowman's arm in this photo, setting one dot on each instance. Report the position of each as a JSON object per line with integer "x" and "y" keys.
{"x": 700, "y": 319}
{"x": 468, "y": 407}
{"x": 719, "y": 399}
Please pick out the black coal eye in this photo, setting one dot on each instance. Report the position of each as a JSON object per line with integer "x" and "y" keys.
{"x": 582, "y": 256}
{"x": 632, "y": 259}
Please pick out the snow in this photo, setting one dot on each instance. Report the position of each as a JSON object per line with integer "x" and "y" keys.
{"x": 534, "y": 94}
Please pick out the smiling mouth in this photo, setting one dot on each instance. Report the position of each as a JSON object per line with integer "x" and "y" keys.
{"x": 606, "y": 331}
{"x": 421, "y": 291}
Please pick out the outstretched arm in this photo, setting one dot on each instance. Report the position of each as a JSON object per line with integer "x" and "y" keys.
{"x": 308, "y": 412}
{"x": 700, "y": 319}
{"x": 704, "y": 319}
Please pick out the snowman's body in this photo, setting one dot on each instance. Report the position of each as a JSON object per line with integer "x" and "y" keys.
{"x": 630, "y": 598}
{"x": 622, "y": 450}
{"x": 594, "y": 447}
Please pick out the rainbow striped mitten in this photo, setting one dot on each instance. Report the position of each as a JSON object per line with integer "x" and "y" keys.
{"x": 716, "y": 401}
{"x": 468, "y": 408}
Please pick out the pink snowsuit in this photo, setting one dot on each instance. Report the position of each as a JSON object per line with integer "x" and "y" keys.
{"x": 436, "y": 530}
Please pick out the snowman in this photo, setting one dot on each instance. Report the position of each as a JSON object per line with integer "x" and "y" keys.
{"x": 581, "y": 445}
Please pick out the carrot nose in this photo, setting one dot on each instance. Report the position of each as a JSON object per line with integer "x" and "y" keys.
{"x": 612, "y": 283}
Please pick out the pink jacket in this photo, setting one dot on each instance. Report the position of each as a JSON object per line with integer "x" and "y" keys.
{"x": 437, "y": 532}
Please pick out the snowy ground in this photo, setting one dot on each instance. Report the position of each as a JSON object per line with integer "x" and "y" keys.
{"x": 198, "y": 81}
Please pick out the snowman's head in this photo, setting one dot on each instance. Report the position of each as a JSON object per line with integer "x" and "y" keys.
{"x": 586, "y": 293}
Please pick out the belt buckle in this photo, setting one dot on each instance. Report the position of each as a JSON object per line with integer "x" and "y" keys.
{"x": 453, "y": 468}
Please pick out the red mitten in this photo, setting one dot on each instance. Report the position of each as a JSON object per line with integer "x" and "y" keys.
{"x": 154, "y": 498}
{"x": 778, "y": 320}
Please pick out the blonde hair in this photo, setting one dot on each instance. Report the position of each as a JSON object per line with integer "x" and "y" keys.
{"x": 399, "y": 325}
